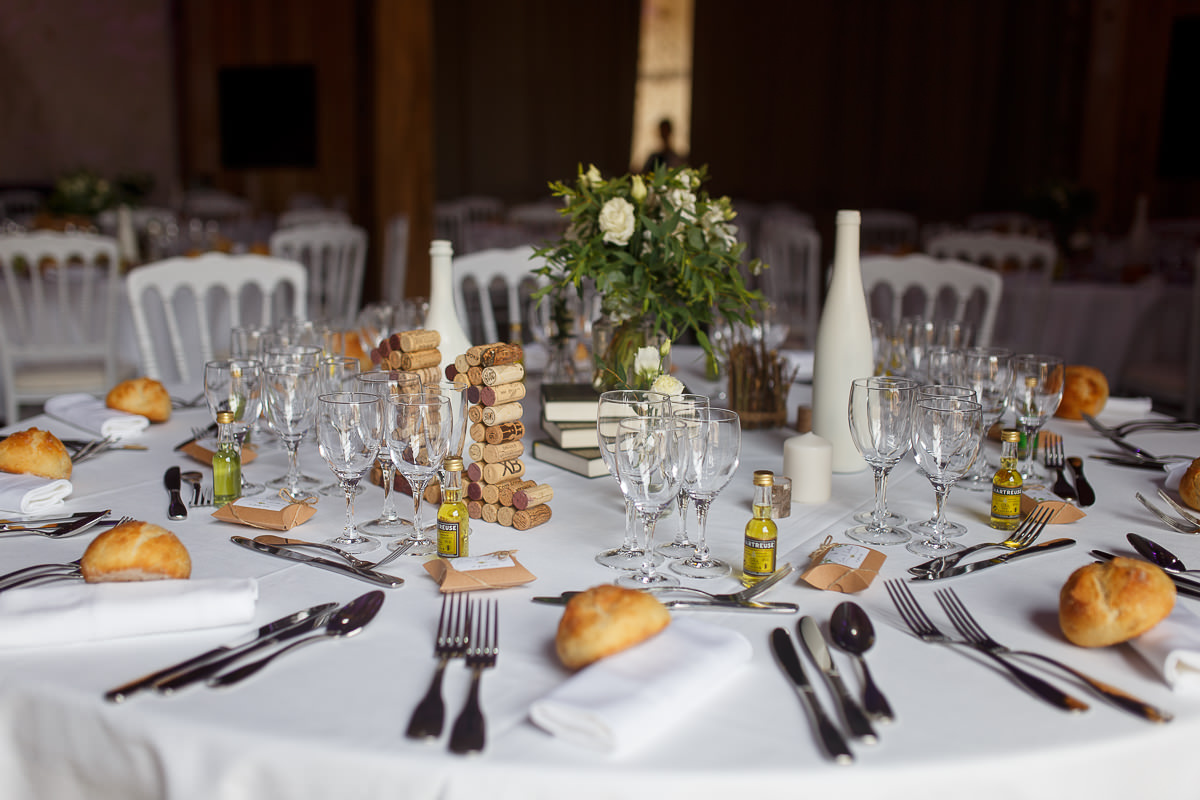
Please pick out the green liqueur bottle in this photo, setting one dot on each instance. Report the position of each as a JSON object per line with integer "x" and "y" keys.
{"x": 227, "y": 462}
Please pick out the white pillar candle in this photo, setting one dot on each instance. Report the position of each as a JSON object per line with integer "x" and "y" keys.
{"x": 808, "y": 461}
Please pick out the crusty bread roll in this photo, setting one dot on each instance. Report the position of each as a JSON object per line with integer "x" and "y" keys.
{"x": 1085, "y": 391}
{"x": 35, "y": 452}
{"x": 144, "y": 396}
{"x": 135, "y": 551}
{"x": 1103, "y": 604}
{"x": 605, "y": 620}
{"x": 1189, "y": 485}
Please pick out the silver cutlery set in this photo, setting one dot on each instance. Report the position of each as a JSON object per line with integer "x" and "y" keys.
{"x": 1131, "y": 455}
{"x": 1020, "y": 543}
{"x": 734, "y": 601}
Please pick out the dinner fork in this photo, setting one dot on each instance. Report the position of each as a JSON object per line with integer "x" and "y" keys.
{"x": 469, "y": 729}
{"x": 974, "y": 633}
{"x": 205, "y": 497}
{"x": 1135, "y": 425}
{"x": 1025, "y": 534}
{"x": 924, "y": 629}
{"x": 453, "y": 635}
{"x": 90, "y": 449}
{"x": 1187, "y": 513}
{"x": 1056, "y": 460}
{"x": 1180, "y": 525}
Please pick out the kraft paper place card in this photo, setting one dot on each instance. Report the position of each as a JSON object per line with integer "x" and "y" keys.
{"x": 498, "y": 570}
{"x": 846, "y": 568}
{"x": 269, "y": 512}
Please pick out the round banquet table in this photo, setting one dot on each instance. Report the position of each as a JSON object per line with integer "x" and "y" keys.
{"x": 328, "y": 721}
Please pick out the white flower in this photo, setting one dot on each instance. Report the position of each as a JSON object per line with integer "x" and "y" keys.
{"x": 683, "y": 201}
{"x": 638, "y": 190}
{"x": 616, "y": 221}
{"x": 592, "y": 177}
{"x": 668, "y": 385}
{"x": 647, "y": 361}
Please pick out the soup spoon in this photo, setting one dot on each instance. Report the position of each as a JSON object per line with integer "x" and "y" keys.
{"x": 851, "y": 630}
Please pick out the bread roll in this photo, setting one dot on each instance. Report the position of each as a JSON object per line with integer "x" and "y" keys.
{"x": 1085, "y": 391}
{"x": 1189, "y": 485}
{"x": 144, "y": 396}
{"x": 605, "y": 620}
{"x": 135, "y": 551}
{"x": 1103, "y": 604}
{"x": 35, "y": 452}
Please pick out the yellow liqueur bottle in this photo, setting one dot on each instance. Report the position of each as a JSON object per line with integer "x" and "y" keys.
{"x": 1006, "y": 485}
{"x": 226, "y": 462}
{"x": 758, "y": 550}
{"x": 452, "y": 520}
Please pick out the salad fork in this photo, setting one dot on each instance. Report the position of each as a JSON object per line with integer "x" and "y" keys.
{"x": 1025, "y": 534}
{"x": 453, "y": 636}
{"x": 470, "y": 729}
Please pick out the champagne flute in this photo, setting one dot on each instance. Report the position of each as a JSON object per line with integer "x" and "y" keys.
{"x": 1037, "y": 390}
{"x": 945, "y": 439}
{"x": 418, "y": 432}
{"x": 713, "y": 446}
{"x": 614, "y": 406}
{"x": 987, "y": 370}
{"x": 337, "y": 375}
{"x": 349, "y": 433}
{"x": 881, "y": 412}
{"x": 386, "y": 385}
{"x": 683, "y": 405}
{"x": 291, "y": 393}
{"x": 236, "y": 385}
{"x": 651, "y": 459}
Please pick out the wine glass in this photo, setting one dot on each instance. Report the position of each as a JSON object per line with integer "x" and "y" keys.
{"x": 918, "y": 334}
{"x": 349, "y": 433}
{"x": 683, "y": 405}
{"x": 290, "y": 391}
{"x": 943, "y": 365}
{"x": 945, "y": 438}
{"x": 386, "y": 385}
{"x": 713, "y": 446}
{"x": 337, "y": 375}
{"x": 881, "y": 412}
{"x": 651, "y": 459}
{"x": 935, "y": 391}
{"x": 277, "y": 350}
{"x": 418, "y": 431}
{"x": 236, "y": 385}
{"x": 987, "y": 370}
{"x": 1037, "y": 389}
{"x": 614, "y": 406}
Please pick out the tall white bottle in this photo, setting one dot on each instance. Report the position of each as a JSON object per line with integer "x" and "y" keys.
{"x": 844, "y": 349}
{"x": 442, "y": 316}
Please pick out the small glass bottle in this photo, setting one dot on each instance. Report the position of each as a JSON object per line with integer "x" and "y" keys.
{"x": 758, "y": 550}
{"x": 226, "y": 462}
{"x": 453, "y": 527}
{"x": 1006, "y": 485}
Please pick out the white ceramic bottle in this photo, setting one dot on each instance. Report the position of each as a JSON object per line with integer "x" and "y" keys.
{"x": 843, "y": 350}
{"x": 442, "y": 316}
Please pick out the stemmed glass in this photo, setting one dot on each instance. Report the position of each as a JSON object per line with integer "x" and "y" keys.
{"x": 386, "y": 385}
{"x": 651, "y": 459}
{"x": 236, "y": 385}
{"x": 943, "y": 365}
{"x": 299, "y": 354}
{"x": 349, "y": 433}
{"x": 683, "y": 406}
{"x": 881, "y": 412}
{"x": 1037, "y": 390}
{"x": 290, "y": 391}
{"x": 418, "y": 434}
{"x": 988, "y": 371}
{"x": 615, "y": 406}
{"x": 945, "y": 439}
{"x": 931, "y": 391}
{"x": 337, "y": 375}
{"x": 712, "y": 450}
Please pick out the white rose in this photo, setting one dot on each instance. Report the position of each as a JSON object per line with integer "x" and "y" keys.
{"x": 647, "y": 361}
{"x": 616, "y": 220}
{"x": 592, "y": 176}
{"x": 638, "y": 190}
{"x": 683, "y": 201}
{"x": 668, "y": 385}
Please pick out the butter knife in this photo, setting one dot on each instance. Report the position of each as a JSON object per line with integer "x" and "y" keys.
{"x": 177, "y": 509}
{"x": 789, "y": 660}
{"x": 974, "y": 566}
{"x": 856, "y": 721}
{"x": 370, "y": 576}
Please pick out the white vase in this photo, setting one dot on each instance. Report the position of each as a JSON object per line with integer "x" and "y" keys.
{"x": 843, "y": 350}
{"x": 442, "y": 316}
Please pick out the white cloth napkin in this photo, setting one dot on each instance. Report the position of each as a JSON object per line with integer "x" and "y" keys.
{"x": 85, "y": 411}
{"x": 620, "y": 702}
{"x": 1124, "y": 408}
{"x": 68, "y": 613}
{"x": 1172, "y": 648}
{"x": 30, "y": 494}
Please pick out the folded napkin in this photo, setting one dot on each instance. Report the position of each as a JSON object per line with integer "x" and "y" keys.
{"x": 1175, "y": 475}
{"x": 1123, "y": 408}
{"x": 621, "y": 702}
{"x": 1172, "y": 648}
{"x": 68, "y": 613}
{"x": 85, "y": 411}
{"x": 30, "y": 494}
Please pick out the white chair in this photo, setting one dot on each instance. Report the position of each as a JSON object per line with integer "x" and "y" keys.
{"x": 141, "y": 216}
{"x": 476, "y": 276}
{"x": 335, "y": 256}
{"x": 792, "y": 250}
{"x": 887, "y": 231}
{"x": 935, "y": 289}
{"x": 189, "y": 298}
{"x": 313, "y": 216}
{"x": 1030, "y": 258}
{"x": 59, "y": 316}
{"x": 395, "y": 259}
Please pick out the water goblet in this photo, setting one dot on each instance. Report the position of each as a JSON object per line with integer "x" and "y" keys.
{"x": 418, "y": 432}
{"x": 349, "y": 434}
{"x": 236, "y": 385}
{"x": 934, "y": 391}
{"x": 1037, "y": 390}
{"x": 712, "y": 450}
{"x": 683, "y": 405}
{"x": 290, "y": 392}
{"x": 651, "y": 460}
{"x": 386, "y": 385}
{"x": 945, "y": 439}
{"x": 881, "y": 412}
{"x": 988, "y": 371}
{"x": 943, "y": 365}
{"x": 337, "y": 375}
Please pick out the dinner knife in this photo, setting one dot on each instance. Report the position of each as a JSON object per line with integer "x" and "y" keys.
{"x": 1087, "y": 495}
{"x": 856, "y": 721}
{"x": 727, "y": 605}
{"x": 1183, "y": 586}
{"x": 370, "y": 576}
{"x": 176, "y": 509}
{"x": 60, "y": 530}
{"x": 48, "y": 521}
{"x": 963, "y": 569}
{"x": 123, "y": 692}
{"x": 789, "y": 660}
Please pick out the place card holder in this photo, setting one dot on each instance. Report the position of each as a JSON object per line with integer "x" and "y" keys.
{"x": 498, "y": 570}
{"x": 1062, "y": 512}
{"x": 274, "y": 513}
{"x": 846, "y": 568}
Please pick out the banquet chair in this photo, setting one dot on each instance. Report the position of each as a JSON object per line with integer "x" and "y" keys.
{"x": 478, "y": 276}
{"x": 58, "y": 318}
{"x": 792, "y": 280}
{"x": 335, "y": 256}
{"x": 935, "y": 289}
{"x": 887, "y": 231}
{"x": 313, "y": 216}
{"x": 1028, "y": 257}
{"x": 190, "y": 298}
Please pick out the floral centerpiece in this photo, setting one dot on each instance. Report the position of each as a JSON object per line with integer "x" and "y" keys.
{"x": 663, "y": 256}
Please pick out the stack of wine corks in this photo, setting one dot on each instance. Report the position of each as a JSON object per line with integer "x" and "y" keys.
{"x": 411, "y": 351}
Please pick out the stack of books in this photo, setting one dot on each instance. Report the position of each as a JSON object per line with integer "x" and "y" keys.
{"x": 569, "y": 422}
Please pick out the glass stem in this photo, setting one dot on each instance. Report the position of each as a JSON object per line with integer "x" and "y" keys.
{"x": 418, "y": 493}
{"x": 349, "y": 534}
{"x": 631, "y": 516}
{"x": 940, "y": 493}
{"x": 681, "y": 537}
{"x": 649, "y": 521}
{"x": 701, "y": 554}
{"x": 1031, "y": 432}
{"x": 881, "y": 511}
{"x": 292, "y": 443}
{"x": 389, "y": 480}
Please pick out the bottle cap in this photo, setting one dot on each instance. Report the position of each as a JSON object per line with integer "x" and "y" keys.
{"x": 1010, "y": 435}
{"x": 453, "y": 464}
{"x": 764, "y": 477}
{"x": 224, "y": 417}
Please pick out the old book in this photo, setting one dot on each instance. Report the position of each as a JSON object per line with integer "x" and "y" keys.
{"x": 571, "y": 435}
{"x": 585, "y": 461}
{"x": 569, "y": 402}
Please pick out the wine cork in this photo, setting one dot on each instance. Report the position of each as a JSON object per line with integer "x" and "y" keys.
{"x": 474, "y": 393}
{"x": 505, "y": 432}
{"x": 533, "y": 496}
{"x": 430, "y": 376}
{"x": 460, "y": 363}
{"x": 411, "y": 341}
{"x": 504, "y": 515}
{"x": 451, "y": 373}
{"x": 475, "y": 451}
{"x": 377, "y": 358}
{"x": 479, "y": 431}
{"x": 475, "y": 375}
{"x": 504, "y": 393}
{"x": 475, "y": 413}
{"x": 474, "y": 472}
{"x": 420, "y": 359}
{"x": 460, "y": 381}
{"x": 505, "y": 373}
{"x": 528, "y": 518}
{"x": 475, "y": 490}
{"x": 507, "y": 490}
{"x": 473, "y": 353}
{"x": 506, "y": 451}
{"x": 490, "y": 512}
{"x": 494, "y": 473}
{"x": 495, "y": 355}
{"x": 385, "y": 347}
{"x": 474, "y": 509}
{"x": 494, "y": 415}
{"x": 393, "y": 359}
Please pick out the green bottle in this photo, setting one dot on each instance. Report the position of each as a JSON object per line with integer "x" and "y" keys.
{"x": 227, "y": 462}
